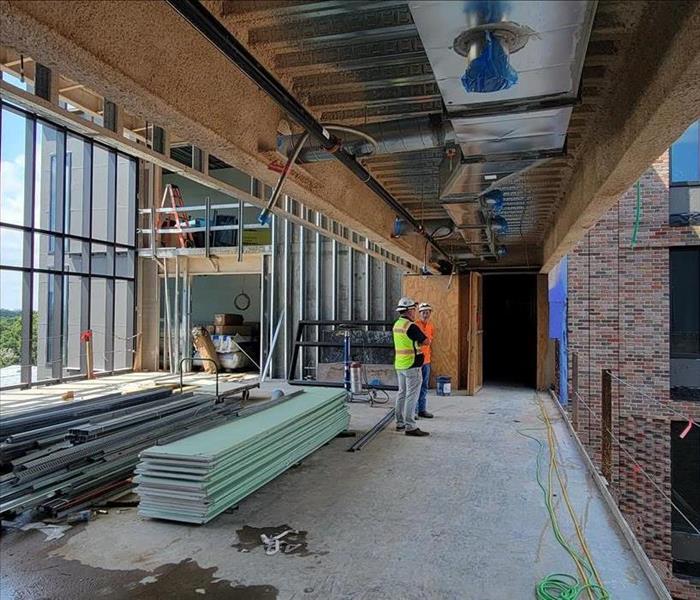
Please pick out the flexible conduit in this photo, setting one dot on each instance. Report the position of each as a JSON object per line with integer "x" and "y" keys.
{"x": 637, "y": 214}
{"x": 215, "y": 32}
{"x": 264, "y": 215}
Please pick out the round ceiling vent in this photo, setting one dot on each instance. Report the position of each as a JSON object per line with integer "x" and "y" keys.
{"x": 512, "y": 36}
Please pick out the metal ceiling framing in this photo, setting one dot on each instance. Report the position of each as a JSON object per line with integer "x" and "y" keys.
{"x": 358, "y": 63}
{"x": 214, "y": 31}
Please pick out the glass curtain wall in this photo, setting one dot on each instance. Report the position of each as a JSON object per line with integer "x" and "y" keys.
{"x": 67, "y": 252}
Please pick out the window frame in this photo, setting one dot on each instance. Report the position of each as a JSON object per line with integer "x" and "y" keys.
{"x": 689, "y": 183}
{"x": 63, "y": 238}
{"x": 677, "y": 251}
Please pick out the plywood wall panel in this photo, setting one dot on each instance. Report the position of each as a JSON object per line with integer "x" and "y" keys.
{"x": 448, "y": 356}
{"x": 475, "y": 363}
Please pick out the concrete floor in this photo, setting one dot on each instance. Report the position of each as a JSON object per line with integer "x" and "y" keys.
{"x": 457, "y": 515}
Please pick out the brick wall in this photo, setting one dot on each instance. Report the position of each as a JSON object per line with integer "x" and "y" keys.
{"x": 619, "y": 319}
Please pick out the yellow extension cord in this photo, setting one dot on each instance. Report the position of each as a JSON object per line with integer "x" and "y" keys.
{"x": 591, "y": 589}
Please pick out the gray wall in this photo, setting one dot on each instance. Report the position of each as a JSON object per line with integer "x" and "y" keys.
{"x": 300, "y": 276}
{"x": 215, "y": 294}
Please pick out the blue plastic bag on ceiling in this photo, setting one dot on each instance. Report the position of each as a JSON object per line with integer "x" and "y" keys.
{"x": 490, "y": 71}
{"x": 494, "y": 200}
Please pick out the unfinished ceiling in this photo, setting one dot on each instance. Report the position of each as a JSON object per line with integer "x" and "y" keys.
{"x": 613, "y": 94}
{"x": 362, "y": 64}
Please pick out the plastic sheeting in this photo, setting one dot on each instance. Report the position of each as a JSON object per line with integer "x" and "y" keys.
{"x": 494, "y": 200}
{"x": 491, "y": 70}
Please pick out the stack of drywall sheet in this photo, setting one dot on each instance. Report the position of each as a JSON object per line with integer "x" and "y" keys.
{"x": 61, "y": 466}
{"x": 198, "y": 477}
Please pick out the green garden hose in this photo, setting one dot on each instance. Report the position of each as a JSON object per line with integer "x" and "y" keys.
{"x": 637, "y": 214}
{"x": 562, "y": 586}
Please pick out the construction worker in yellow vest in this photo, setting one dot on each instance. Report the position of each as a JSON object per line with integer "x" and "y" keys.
{"x": 408, "y": 340}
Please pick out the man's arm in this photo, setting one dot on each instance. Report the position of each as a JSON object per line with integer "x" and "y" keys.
{"x": 414, "y": 333}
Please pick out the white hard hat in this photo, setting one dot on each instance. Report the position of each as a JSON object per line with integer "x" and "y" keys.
{"x": 405, "y": 303}
{"x": 424, "y": 306}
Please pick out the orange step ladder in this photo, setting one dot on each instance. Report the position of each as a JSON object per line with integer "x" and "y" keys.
{"x": 174, "y": 220}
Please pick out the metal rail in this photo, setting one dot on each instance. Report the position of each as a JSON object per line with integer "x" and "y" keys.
{"x": 371, "y": 434}
{"x": 192, "y": 359}
{"x": 299, "y": 344}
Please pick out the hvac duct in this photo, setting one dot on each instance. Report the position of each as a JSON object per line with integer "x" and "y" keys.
{"x": 402, "y": 135}
{"x": 217, "y": 34}
{"x": 509, "y": 74}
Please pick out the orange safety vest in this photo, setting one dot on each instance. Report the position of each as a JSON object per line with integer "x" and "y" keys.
{"x": 428, "y": 331}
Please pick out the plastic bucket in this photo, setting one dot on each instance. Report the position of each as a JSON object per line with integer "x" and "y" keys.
{"x": 444, "y": 385}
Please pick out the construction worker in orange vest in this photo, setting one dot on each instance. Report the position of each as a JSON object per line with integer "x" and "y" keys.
{"x": 428, "y": 329}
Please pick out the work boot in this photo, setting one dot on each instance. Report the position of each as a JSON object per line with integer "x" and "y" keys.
{"x": 424, "y": 414}
{"x": 416, "y": 432}
{"x": 400, "y": 428}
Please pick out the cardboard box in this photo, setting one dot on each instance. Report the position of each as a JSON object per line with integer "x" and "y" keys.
{"x": 249, "y": 329}
{"x": 228, "y": 319}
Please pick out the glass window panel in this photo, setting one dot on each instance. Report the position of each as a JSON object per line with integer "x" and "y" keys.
{"x": 102, "y": 259}
{"x": 10, "y": 328}
{"x": 78, "y": 167}
{"x": 124, "y": 262}
{"x": 85, "y": 191}
{"x": 13, "y": 171}
{"x": 48, "y": 252}
{"x": 126, "y": 200}
{"x": 685, "y": 302}
{"x": 76, "y": 256}
{"x": 103, "y": 192}
{"x": 123, "y": 324}
{"x": 12, "y": 247}
{"x": 685, "y": 156}
{"x": 46, "y": 327}
{"x": 76, "y": 295}
{"x": 101, "y": 312}
{"x": 48, "y": 177}
{"x": 17, "y": 81}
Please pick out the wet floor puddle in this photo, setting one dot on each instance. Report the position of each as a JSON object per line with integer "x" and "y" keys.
{"x": 188, "y": 580}
{"x": 249, "y": 539}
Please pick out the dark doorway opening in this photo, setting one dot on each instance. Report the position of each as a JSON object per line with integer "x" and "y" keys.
{"x": 510, "y": 328}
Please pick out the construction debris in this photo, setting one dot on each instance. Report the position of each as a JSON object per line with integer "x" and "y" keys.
{"x": 195, "y": 479}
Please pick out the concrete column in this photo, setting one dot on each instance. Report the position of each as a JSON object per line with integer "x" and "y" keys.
{"x": 148, "y": 282}
{"x": 147, "y": 316}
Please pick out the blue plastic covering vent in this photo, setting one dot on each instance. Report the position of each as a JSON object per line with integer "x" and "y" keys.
{"x": 499, "y": 225}
{"x": 491, "y": 70}
{"x": 494, "y": 200}
{"x": 399, "y": 227}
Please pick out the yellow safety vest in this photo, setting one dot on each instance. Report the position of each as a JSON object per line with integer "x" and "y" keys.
{"x": 404, "y": 346}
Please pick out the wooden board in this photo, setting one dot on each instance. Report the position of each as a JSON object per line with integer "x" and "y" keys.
{"x": 475, "y": 361}
{"x": 449, "y": 346}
